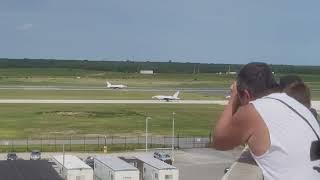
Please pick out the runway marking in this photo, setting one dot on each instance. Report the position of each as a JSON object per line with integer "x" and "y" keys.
{"x": 315, "y": 104}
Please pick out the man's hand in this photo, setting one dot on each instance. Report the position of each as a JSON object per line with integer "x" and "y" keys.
{"x": 234, "y": 100}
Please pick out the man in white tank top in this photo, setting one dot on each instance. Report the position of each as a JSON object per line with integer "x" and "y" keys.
{"x": 278, "y": 138}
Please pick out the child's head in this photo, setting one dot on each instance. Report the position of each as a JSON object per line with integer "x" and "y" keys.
{"x": 299, "y": 91}
{"x": 286, "y": 81}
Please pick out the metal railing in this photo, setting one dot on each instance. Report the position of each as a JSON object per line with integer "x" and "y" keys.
{"x": 98, "y": 143}
{"x": 245, "y": 168}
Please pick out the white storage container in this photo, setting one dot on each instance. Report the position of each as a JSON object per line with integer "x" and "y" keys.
{"x": 72, "y": 168}
{"x": 113, "y": 168}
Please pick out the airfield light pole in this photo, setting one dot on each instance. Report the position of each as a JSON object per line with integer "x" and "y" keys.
{"x": 147, "y": 118}
{"x": 172, "y": 150}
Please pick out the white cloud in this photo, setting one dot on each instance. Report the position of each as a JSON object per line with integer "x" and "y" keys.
{"x": 25, "y": 27}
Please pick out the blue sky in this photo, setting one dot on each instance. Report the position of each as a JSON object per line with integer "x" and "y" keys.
{"x": 209, "y": 31}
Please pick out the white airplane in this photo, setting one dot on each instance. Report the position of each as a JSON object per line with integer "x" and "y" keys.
{"x": 115, "y": 86}
{"x": 167, "y": 98}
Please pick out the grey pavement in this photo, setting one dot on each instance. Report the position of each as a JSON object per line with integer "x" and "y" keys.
{"x": 204, "y": 164}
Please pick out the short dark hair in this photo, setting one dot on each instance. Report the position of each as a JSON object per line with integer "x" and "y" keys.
{"x": 257, "y": 78}
{"x": 286, "y": 81}
{"x": 299, "y": 91}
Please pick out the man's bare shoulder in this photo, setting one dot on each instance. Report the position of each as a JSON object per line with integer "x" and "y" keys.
{"x": 246, "y": 113}
{"x": 247, "y": 117}
{"x": 258, "y": 134}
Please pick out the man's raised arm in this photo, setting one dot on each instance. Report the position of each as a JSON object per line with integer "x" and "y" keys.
{"x": 232, "y": 128}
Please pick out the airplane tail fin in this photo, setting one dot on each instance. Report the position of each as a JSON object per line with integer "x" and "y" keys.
{"x": 176, "y": 94}
{"x": 108, "y": 84}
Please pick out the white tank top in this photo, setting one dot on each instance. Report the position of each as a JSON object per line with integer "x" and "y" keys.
{"x": 288, "y": 157}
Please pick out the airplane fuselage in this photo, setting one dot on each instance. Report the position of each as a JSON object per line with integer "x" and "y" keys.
{"x": 117, "y": 86}
{"x": 166, "y": 98}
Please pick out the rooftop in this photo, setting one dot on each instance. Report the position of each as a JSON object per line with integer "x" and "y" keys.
{"x": 71, "y": 162}
{"x": 116, "y": 164}
{"x": 25, "y": 169}
{"x": 155, "y": 162}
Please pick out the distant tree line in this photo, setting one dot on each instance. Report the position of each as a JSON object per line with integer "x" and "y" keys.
{"x": 157, "y": 67}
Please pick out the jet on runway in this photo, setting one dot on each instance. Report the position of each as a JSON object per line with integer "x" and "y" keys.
{"x": 115, "y": 86}
{"x": 167, "y": 98}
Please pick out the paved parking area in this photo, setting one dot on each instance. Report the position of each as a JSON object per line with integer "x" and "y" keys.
{"x": 204, "y": 164}
{"x": 193, "y": 164}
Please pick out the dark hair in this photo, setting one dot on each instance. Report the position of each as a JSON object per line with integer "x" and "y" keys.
{"x": 299, "y": 91}
{"x": 286, "y": 81}
{"x": 257, "y": 78}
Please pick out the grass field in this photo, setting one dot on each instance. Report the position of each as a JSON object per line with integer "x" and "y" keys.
{"x": 141, "y": 82}
{"x": 69, "y": 77}
{"x": 30, "y": 120}
{"x": 35, "y": 120}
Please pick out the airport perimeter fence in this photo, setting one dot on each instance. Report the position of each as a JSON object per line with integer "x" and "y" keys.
{"x": 101, "y": 143}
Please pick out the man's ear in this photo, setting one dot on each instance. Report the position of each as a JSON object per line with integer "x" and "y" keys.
{"x": 247, "y": 96}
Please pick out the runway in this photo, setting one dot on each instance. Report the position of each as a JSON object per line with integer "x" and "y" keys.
{"x": 60, "y": 101}
{"x": 315, "y": 104}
